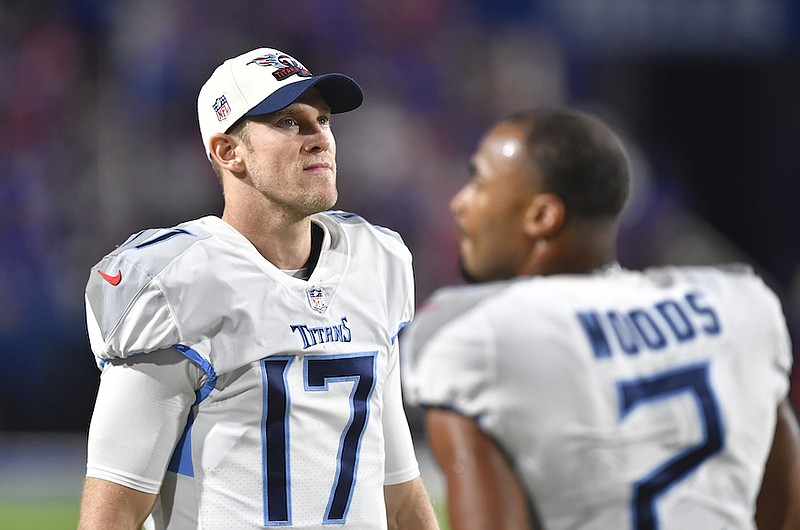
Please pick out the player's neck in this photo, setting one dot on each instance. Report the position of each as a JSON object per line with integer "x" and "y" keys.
{"x": 577, "y": 250}
{"x": 287, "y": 245}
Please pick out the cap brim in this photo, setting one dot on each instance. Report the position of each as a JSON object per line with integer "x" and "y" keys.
{"x": 341, "y": 93}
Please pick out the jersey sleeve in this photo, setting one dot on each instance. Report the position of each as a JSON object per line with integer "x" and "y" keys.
{"x": 127, "y": 306}
{"x": 401, "y": 461}
{"x": 141, "y": 408}
{"x": 454, "y": 369}
{"x": 450, "y": 360}
{"x": 124, "y": 323}
{"x": 784, "y": 358}
{"x": 449, "y": 353}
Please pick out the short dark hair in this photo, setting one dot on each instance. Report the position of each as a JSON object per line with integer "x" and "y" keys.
{"x": 580, "y": 159}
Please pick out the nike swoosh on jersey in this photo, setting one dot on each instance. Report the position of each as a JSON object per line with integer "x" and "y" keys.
{"x": 113, "y": 280}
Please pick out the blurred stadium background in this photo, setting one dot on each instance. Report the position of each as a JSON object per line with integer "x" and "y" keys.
{"x": 99, "y": 139}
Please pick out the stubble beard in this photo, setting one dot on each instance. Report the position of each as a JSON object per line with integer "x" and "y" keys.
{"x": 318, "y": 197}
{"x": 316, "y": 203}
{"x": 299, "y": 201}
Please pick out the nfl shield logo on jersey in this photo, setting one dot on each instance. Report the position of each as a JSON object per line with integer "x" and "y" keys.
{"x": 316, "y": 297}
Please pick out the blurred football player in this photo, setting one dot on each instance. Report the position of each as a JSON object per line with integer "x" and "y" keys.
{"x": 567, "y": 392}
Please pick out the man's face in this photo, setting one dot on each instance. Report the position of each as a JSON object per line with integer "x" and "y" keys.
{"x": 291, "y": 156}
{"x": 489, "y": 210}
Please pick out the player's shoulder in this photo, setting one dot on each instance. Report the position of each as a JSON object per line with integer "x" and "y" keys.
{"x": 715, "y": 276}
{"x": 123, "y": 272}
{"x": 355, "y": 223}
{"x": 721, "y": 270}
{"x": 458, "y": 299}
{"x": 725, "y": 277}
{"x": 450, "y": 303}
{"x": 447, "y": 306}
{"x": 360, "y": 231}
{"x": 151, "y": 249}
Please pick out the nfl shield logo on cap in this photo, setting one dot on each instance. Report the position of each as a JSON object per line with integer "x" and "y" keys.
{"x": 222, "y": 108}
{"x": 316, "y": 298}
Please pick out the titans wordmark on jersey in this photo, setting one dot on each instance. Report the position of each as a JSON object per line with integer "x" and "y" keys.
{"x": 288, "y": 429}
{"x": 630, "y": 400}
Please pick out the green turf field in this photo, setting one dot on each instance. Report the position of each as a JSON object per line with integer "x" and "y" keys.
{"x": 54, "y": 515}
{"x": 441, "y": 515}
{"x": 41, "y": 479}
{"x": 31, "y": 515}
{"x": 58, "y": 515}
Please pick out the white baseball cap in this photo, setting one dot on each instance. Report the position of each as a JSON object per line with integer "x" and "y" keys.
{"x": 262, "y": 81}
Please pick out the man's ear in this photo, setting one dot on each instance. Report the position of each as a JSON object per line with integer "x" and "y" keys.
{"x": 545, "y": 216}
{"x": 224, "y": 151}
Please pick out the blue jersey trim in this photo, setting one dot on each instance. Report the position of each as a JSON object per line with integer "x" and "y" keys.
{"x": 181, "y": 461}
{"x": 211, "y": 382}
{"x": 399, "y": 329}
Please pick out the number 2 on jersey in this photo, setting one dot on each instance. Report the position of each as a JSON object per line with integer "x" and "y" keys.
{"x": 692, "y": 379}
{"x": 318, "y": 372}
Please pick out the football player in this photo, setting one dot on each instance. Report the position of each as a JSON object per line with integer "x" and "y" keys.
{"x": 249, "y": 362}
{"x": 568, "y": 392}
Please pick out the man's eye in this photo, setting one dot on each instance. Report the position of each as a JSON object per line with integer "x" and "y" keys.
{"x": 325, "y": 120}
{"x": 288, "y": 122}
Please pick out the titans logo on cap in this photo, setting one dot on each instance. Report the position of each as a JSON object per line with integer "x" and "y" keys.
{"x": 286, "y": 66}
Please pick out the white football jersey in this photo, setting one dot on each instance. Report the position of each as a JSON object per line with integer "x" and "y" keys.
{"x": 297, "y": 423}
{"x": 625, "y": 400}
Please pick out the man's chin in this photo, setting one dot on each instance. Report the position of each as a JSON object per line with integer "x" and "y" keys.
{"x": 465, "y": 273}
{"x": 317, "y": 204}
